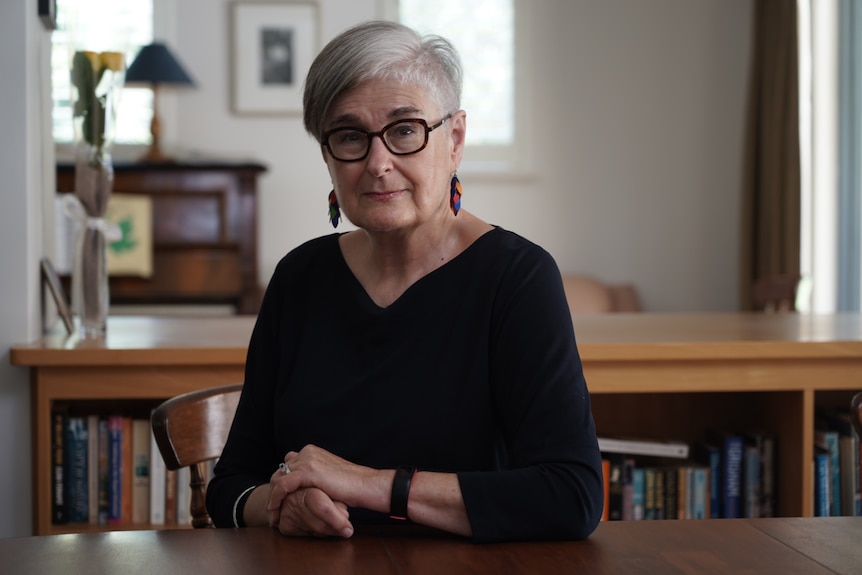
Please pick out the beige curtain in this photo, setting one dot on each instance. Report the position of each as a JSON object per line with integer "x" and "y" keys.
{"x": 770, "y": 202}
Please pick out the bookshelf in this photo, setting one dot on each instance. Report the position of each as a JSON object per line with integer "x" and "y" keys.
{"x": 672, "y": 375}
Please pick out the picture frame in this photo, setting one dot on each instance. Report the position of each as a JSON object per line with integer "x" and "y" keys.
{"x": 272, "y": 47}
{"x": 58, "y": 294}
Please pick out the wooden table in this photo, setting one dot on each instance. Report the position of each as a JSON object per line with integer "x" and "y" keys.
{"x": 663, "y": 375}
{"x": 726, "y": 546}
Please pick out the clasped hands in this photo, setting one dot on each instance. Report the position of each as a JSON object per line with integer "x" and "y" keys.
{"x": 313, "y": 496}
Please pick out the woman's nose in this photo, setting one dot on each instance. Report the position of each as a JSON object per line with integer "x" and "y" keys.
{"x": 379, "y": 160}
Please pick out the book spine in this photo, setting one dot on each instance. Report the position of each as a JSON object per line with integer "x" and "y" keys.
{"x": 140, "y": 471}
{"x": 104, "y": 480}
{"x": 126, "y": 471}
{"x": 829, "y": 440}
{"x": 684, "y": 506}
{"x": 615, "y": 511}
{"x": 606, "y": 489}
{"x": 649, "y": 493}
{"x": 76, "y": 470}
{"x": 628, "y": 488}
{"x": 671, "y": 492}
{"x": 751, "y": 481}
{"x": 157, "y": 484}
{"x": 732, "y": 476}
{"x": 659, "y": 494}
{"x": 769, "y": 472}
{"x": 115, "y": 469}
{"x": 638, "y": 494}
{"x": 184, "y": 496}
{"x": 700, "y": 497}
{"x": 93, "y": 468}
{"x": 849, "y": 448}
{"x": 710, "y": 455}
{"x": 58, "y": 464}
{"x": 822, "y": 483}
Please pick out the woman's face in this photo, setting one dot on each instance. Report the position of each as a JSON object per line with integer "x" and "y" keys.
{"x": 384, "y": 192}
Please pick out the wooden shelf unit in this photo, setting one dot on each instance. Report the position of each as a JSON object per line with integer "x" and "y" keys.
{"x": 204, "y": 232}
{"x": 672, "y": 375}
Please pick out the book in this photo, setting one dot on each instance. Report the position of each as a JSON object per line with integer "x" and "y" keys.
{"x": 606, "y": 489}
{"x": 671, "y": 492}
{"x": 157, "y": 484}
{"x": 140, "y": 471}
{"x": 93, "y": 468}
{"x": 731, "y": 448}
{"x": 628, "y": 488}
{"x": 638, "y": 494}
{"x": 649, "y": 493}
{"x": 850, "y": 496}
{"x": 710, "y": 455}
{"x": 700, "y": 492}
{"x": 126, "y": 471}
{"x": 822, "y": 481}
{"x": 615, "y": 487}
{"x": 841, "y": 420}
{"x": 184, "y": 497}
{"x": 77, "y": 502}
{"x": 829, "y": 440}
{"x": 751, "y": 480}
{"x": 115, "y": 469}
{"x": 58, "y": 465}
{"x": 676, "y": 449}
{"x": 686, "y": 494}
{"x": 658, "y": 501}
{"x": 103, "y": 480}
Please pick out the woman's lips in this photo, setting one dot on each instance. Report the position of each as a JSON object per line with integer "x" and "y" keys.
{"x": 384, "y": 195}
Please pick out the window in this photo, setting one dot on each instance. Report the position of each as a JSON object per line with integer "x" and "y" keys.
{"x": 830, "y": 49}
{"x": 101, "y": 25}
{"x": 495, "y": 87}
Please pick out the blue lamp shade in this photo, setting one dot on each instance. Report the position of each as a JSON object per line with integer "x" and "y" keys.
{"x": 156, "y": 65}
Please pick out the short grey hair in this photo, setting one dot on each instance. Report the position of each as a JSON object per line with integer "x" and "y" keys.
{"x": 380, "y": 50}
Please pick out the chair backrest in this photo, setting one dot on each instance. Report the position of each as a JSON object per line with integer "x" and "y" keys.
{"x": 776, "y": 293}
{"x": 190, "y": 430}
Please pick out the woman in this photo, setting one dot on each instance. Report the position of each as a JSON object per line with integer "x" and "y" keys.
{"x": 423, "y": 366}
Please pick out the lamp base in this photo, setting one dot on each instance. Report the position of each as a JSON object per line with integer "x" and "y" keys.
{"x": 154, "y": 155}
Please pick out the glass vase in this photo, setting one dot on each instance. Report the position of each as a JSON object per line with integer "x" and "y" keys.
{"x": 94, "y": 177}
{"x": 97, "y": 79}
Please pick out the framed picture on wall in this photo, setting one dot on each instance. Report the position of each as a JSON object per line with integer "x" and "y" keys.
{"x": 272, "y": 46}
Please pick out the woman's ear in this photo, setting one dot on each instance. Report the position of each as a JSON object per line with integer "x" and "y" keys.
{"x": 458, "y": 133}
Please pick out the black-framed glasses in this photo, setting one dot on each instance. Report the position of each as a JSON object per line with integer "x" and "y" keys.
{"x": 402, "y": 138}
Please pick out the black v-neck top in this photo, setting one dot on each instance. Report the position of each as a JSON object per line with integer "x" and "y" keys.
{"x": 473, "y": 370}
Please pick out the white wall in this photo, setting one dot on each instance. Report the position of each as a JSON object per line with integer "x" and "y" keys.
{"x": 23, "y": 50}
{"x": 644, "y": 187}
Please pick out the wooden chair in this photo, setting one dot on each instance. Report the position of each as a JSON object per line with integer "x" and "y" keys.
{"x": 776, "y": 294}
{"x": 190, "y": 430}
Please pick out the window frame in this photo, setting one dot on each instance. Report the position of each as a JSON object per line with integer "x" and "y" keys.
{"x": 515, "y": 159}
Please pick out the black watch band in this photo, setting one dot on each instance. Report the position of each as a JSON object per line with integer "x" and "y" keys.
{"x": 400, "y": 491}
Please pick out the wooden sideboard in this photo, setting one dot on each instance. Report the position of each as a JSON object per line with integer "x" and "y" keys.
{"x": 204, "y": 232}
{"x": 671, "y": 375}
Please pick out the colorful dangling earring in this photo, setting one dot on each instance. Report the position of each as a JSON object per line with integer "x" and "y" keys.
{"x": 334, "y": 209}
{"x": 455, "y": 192}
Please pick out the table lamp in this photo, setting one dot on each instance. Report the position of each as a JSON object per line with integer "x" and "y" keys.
{"x": 155, "y": 66}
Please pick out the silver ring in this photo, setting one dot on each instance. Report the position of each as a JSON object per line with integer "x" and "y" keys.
{"x": 284, "y": 468}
